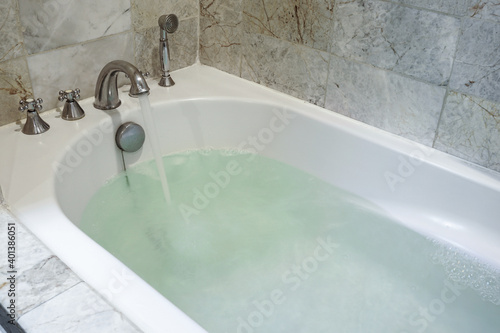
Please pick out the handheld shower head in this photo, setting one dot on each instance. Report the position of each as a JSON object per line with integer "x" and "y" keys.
{"x": 169, "y": 23}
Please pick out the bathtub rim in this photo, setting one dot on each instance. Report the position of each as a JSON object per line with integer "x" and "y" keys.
{"x": 28, "y": 209}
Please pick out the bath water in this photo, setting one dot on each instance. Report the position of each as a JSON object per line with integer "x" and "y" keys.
{"x": 249, "y": 244}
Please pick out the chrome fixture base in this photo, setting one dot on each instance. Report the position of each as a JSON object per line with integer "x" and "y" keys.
{"x": 168, "y": 24}
{"x": 34, "y": 123}
{"x": 71, "y": 110}
{"x": 130, "y": 137}
{"x": 106, "y": 89}
{"x": 166, "y": 81}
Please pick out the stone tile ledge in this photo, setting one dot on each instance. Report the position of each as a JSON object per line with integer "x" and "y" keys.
{"x": 49, "y": 296}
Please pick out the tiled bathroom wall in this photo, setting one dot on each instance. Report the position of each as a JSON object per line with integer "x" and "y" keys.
{"x": 427, "y": 70}
{"x": 49, "y": 45}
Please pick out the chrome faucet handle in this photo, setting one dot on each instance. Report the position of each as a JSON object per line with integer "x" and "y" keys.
{"x": 69, "y": 95}
{"x": 34, "y": 123}
{"x": 31, "y": 105}
{"x": 71, "y": 110}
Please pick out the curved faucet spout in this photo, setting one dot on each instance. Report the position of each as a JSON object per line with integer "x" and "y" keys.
{"x": 106, "y": 89}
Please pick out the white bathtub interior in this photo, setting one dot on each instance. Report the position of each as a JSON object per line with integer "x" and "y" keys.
{"x": 50, "y": 178}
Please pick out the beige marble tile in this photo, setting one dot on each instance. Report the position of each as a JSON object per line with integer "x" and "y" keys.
{"x": 11, "y": 41}
{"x": 183, "y": 46}
{"x": 145, "y": 13}
{"x": 304, "y": 22}
{"x": 470, "y": 129}
{"x": 15, "y": 85}
{"x": 293, "y": 69}
{"x": 220, "y": 36}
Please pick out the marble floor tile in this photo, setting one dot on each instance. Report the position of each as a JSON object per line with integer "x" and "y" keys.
{"x": 52, "y": 24}
{"x": 11, "y": 41}
{"x": 293, "y": 69}
{"x": 145, "y": 13}
{"x": 40, "y": 275}
{"x": 220, "y": 36}
{"x": 76, "y": 66}
{"x": 385, "y": 100}
{"x": 470, "y": 129}
{"x": 304, "y": 22}
{"x": 477, "y": 63}
{"x": 49, "y": 296}
{"x": 15, "y": 84}
{"x": 42, "y": 282}
{"x": 78, "y": 310}
{"x": 405, "y": 40}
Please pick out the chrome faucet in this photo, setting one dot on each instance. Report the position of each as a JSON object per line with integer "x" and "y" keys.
{"x": 168, "y": 24}
{"x": 106, "y": 89}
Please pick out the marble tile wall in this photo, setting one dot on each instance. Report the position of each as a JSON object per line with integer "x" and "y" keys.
{"x": 427, "y": 70}
{"x": 46, "y": 46}
{"x": 394, "y": 64}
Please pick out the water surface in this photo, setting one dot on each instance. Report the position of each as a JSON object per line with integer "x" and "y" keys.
{"x": 249, "y": 244}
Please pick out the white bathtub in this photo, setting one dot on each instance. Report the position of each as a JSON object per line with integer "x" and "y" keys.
{"x": 48, "y": 179}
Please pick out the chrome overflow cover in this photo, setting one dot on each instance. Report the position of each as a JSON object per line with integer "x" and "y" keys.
{"x": 130, "y": 137}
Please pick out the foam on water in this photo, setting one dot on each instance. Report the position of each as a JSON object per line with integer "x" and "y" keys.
{"x": 253, "y": 245}
{"x": 467, "y": 270}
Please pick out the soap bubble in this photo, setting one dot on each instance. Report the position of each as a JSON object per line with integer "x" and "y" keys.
{"x": 463, "y": 268}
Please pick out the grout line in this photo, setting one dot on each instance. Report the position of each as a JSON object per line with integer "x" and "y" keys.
{"x": 330, "y": 54}
{"x": 459, "y": 16}
{"x": 134, "y": 45}
{"x": 354, "y": 60}
{"x": 427, "y": 9}
{"x": 48, "y": 300}
{"x": 198, "y": 34}
{"x": 81, "y": 43}
{"x": 389, "y": 71}
{"x": 448, "y": 89}
{"x": 242, "y": 39}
